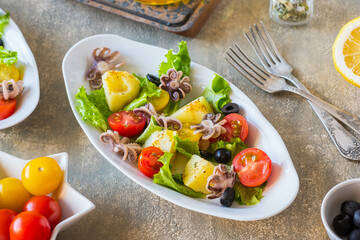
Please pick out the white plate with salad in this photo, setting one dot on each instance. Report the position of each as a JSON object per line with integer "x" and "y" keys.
{"x": 19, "y": 78}
{"x": 178, "y": 129}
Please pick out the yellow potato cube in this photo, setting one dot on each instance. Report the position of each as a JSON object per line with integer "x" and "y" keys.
{"x": 120, "y": 88}
{"x": 163, "y": 140}
{"x": 194, "y": 111}
{"x": 196, "y": 173}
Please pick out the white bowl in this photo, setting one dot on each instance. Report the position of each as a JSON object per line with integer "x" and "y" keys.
{"x": 283, "y": 184}
{"x": 28, "y": 100}
{"x": 73, "y": 205}
{"x": 330, "y": 207}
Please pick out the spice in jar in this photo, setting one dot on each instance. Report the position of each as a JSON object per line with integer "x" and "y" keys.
{"x": 291, "y": 10}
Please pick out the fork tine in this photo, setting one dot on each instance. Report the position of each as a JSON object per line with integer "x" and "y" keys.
{"x": 260, "y": 35}
{"x": 260, "y": 52}
{"x": 255, "y": 68}
{"x": 243, "y": 71}
{"x": 272, "y": 44}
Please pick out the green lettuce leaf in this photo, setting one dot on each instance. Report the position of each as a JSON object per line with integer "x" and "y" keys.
{"x": 148, "y": 89}
{"x": 152, "y": 127}
{"x": 179, "y": 61}
{"x": 248, "y": 195}
{"x": 234, "y": 146}
{"x": 171, "y": 107}
{"x": 186, "y": 147}
{"x": 8, "y": 57}
{"x": 4, "y": 20}
{"x": 217, "y": 93}
{"x": 165, "y": 178}
{"x": 92, "y": 109}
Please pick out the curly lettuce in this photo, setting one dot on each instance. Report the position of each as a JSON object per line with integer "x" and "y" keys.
{"x": 4, "y": 20}
{"x": 248, "y": 195}
{"x": 186, "y": 147}
{"x": 150, "y": 129}
{"x": 8, "y": 57}
{"x": 165, "y": 178}
{"x": 217, "y": 93}
{"x": 93, "y": 107}
{"x": 148, "y": 89}
{"x": 179, "y": 61}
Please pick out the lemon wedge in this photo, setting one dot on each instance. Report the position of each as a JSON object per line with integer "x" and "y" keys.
{"x": 346, "y": 52}
{"x": 9, "y": 72}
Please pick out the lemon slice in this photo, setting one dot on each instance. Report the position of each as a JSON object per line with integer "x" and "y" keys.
{"x": 346, "y": 52}
{"x": 9, "y": 72}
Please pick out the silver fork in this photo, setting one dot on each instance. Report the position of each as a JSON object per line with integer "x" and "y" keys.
{"x": 272, "y": 61}
{"x": 271, "y": 83}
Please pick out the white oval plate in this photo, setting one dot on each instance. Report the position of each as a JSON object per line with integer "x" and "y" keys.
{"x": 28, "y": 100}
{"x": 73, "y": 205}
{"x": 141, "y": 59}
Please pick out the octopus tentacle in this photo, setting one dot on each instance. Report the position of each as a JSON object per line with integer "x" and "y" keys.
{"x": 220, "y": 180}
{"x": 10, "y": 89}
{"x": 174, "y": 85}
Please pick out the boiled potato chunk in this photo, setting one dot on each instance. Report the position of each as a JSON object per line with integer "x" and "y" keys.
{"x": 194, "y": 111}
{"x": 160, "y": 102}
{"x": 120, "y": 88}
{"x": 163, "y": 140}
{"x": 187, "y": 133}
{"x": 196, "y": 173}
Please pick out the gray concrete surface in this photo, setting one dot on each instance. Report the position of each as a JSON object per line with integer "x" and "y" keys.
{"x": 124, "y": 210}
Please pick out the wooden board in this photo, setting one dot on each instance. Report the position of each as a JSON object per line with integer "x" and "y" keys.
{"x": 185, "y": 18}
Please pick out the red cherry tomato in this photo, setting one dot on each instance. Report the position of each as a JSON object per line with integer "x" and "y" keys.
{"x": 148, "y": 161}
{"x": 6, "y": 217}
{"x": 127, "y": 123}
{"x": 46, "y": 206}
{"x": 7, "y": 108}
{"x": 253, "y": 167}
{"x": 30, "y": 225}
{"x": 236, "y": 126}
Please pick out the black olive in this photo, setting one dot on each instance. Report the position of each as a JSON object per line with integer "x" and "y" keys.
{"x": 205, "y": 154}
{"x": 356, "y": 219}
{"x": 227, "y": 198}
{"x": 342, "y": 224}
{"x": 354, "y": 235}
{"x": 153, "y": 79}
{"x": 1, "y": 43}
{"x": 349, "y": 207}
{"x": 230, "y": 108}
{"x": 222, "y": 155}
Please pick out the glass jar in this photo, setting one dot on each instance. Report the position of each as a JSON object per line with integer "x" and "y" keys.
{"x": 291, "y": 12}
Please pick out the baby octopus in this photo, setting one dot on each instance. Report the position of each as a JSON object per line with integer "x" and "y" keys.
{"x": 10, "y": 89}
{"x": 103, "y": 60}
{"x": 220, "y": 180}
{"x": 174, "y": 86}
{"x": 129, "y": 151}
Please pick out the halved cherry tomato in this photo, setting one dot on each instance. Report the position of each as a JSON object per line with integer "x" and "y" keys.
{"x": 46, "y": 206}
{"x": 6, "y": 217}
{"x": 253, "y": 167}
{"x": 30, "y": 225}
{"x": 236, "y": 126}
{"x": 127, "y": 123}
{"x": 148, "y": 161}
{"x": 7, "y": 108}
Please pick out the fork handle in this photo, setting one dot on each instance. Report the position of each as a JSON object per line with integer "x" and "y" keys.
{"x": 346, "y": 118}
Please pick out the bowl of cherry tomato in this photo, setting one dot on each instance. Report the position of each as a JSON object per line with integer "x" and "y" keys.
{"x": 36, "y": 201}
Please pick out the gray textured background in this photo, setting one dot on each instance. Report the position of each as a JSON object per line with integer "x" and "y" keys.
{"x": 125, "y": 210}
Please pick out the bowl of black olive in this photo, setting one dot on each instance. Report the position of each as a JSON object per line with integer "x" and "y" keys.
{"x": 340, "y": 211}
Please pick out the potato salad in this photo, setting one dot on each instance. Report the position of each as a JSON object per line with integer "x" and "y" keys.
{"x": 195, "y": 148}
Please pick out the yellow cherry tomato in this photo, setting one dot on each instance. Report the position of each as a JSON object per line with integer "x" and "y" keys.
{"x": 160, "y": 102}
{"x": 9, "y": 72}
{"x": 13, "y": 195}
{"x": 41, "y": 176}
